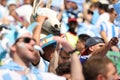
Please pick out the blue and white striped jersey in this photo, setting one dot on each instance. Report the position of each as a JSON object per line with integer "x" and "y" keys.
{"x": 13, "y": 71}
{"x": 110, "y": 29}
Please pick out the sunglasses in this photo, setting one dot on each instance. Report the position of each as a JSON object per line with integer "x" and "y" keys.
{"x": 26, "y": 39}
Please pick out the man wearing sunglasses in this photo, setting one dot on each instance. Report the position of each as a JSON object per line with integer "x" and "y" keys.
{"x": 23, "y": 52}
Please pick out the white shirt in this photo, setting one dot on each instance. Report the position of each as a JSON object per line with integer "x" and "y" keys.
{"x": 25, "y": 11}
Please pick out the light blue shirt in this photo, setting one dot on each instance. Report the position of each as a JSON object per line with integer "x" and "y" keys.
{"x": 90, "y": 30}
{"x": 7, "y": 70}
{"x": 95, "y": 17}
{"x": 11, "y": 71}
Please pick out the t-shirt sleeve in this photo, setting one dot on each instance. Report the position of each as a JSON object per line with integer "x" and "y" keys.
{"x": 103, "y": 26}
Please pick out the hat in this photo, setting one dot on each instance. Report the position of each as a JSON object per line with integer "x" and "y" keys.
{"x": 117, "y": 9}
{"x": 104, "y": 1}
{"x": 110, "y": 6}
{"x": 72, "y": 20}
{"x": 93, "y": 41}
{"x": 51, "y": 24}
{"x": 48, "y": 40}
{"x": 11, "y": 2}
{"x": 14, "y": 34}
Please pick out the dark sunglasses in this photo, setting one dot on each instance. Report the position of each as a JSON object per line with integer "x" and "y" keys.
{"x": 26, "y": 39}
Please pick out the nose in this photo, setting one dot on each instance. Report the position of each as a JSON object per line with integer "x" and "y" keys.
{"x": 32, "y": 42}
{"x": 116, "y": 77}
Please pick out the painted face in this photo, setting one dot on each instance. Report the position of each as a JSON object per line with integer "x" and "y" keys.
{"x": 24, "y": 48}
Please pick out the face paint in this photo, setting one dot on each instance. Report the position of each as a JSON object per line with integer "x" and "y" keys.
{"x": 21, "y": 45}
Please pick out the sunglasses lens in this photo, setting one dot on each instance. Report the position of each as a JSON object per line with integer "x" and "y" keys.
{"x": 27, "y": 40}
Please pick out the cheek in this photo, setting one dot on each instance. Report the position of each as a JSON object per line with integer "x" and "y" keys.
{"x": 89, "y": 17}
{"x": 81, "y": 45}
{"x": 21, "y": 45}
{"x": 21, "y": 48}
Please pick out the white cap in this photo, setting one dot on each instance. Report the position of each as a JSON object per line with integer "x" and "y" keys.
{"x": 104, "y": 1}
{"x": 110, "y": 6}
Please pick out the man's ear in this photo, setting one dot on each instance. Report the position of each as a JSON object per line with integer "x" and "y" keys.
{"x": 91, "y": 48}
{"x": 100, "y": 77}
{"x": 13, "y": 48}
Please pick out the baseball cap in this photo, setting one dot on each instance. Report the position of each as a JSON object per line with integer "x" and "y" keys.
{"x": 72, "y": 20}
{"x": 48, "y": 40}
{"x": 104, "y": 1}
{"x": 93, "y": 41}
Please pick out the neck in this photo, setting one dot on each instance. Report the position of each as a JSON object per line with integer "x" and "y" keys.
{"x": 111, "y": 21}
{"x": 21, "y": 62}
{"x": 87, "y": 22}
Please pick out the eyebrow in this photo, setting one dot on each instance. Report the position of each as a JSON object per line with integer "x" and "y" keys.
{"x": 64, "y": 57}
{"x": 101, "y": 45}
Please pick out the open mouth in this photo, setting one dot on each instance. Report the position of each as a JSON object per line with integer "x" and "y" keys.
{"x": 31, "y": 50}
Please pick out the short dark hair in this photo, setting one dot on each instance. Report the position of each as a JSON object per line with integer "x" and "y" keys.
{"x": 63, "y": 68}
{"x": 83, "y": 37}
{"x": 95, "y": 4}
{"x": 103, "y": 6}
{"x": 111, "y": 10}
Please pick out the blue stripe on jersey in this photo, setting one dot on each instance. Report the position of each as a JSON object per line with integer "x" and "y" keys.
{"x": 38, "y": 77}
{"x": 7, "y": 77}
{"x": 101, "y": 28}
{"x": 23, "y": 77}
{"x": 113, "y": 31}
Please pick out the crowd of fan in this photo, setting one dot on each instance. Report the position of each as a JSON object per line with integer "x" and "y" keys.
{"x": 59, "y": 40}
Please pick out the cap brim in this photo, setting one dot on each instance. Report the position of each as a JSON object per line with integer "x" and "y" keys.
{"x": 48, "y": 40}
{"x": 49, "y": 43}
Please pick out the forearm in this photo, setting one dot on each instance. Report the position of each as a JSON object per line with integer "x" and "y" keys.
{"x": 37, "y": 30}
{"x": 53, "y": 63}
{"x": 103, "y": 35}
{"x": 76, "y": 68}
{"x": 59, "y": 16}
{"x": 36, "y": 33}
{"x": 102, "y": 51}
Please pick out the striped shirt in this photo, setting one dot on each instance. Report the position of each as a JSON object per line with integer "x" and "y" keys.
{"x": 11, "y": 71}
{"x": 110, "y": 29}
